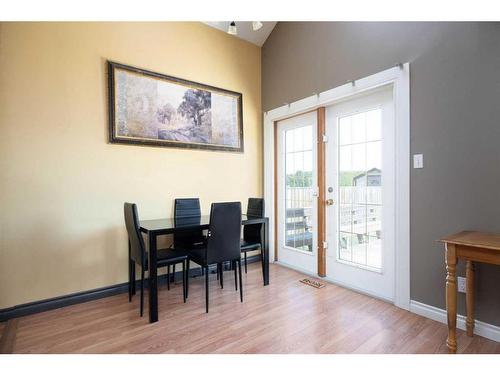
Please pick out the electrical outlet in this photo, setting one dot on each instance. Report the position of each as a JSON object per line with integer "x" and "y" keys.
{"x": 461, "y": 284}
{"x": 418, "y": 161}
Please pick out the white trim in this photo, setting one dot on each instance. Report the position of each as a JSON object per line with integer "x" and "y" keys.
{"x": 480, "y": 328}
{"x": 402, "y": 209}
{"x": 400, "y": 77}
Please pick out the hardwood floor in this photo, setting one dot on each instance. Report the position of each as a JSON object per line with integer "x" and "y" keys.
{"x": 285, "y": 317}
{"x": 8, "y": 336}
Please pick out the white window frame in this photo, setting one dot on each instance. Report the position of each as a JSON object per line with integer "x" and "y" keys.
{"x": 399, "y": 76}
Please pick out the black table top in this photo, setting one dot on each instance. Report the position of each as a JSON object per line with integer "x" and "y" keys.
{"x": 171, "y": 225}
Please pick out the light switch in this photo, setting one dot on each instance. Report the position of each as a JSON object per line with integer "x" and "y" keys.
{"x": 418, "y": 161}
{"x": 462, "y": 284}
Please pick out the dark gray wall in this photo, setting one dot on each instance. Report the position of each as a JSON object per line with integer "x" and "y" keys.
{"x": 455, "y": 123}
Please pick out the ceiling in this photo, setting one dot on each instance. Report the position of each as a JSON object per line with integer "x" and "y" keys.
{"x": 245, "y": 30}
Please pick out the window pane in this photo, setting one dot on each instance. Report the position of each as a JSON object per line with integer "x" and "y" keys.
{"x": 358, "y": 128}
{"x": 374, "y": 156}
{"x": 307, "y": 139}
{"x": 374, "y": 125}
{"x": 358, "y": 158}
{"x": 299, "y": 139}
{"x": 359, "y": 249}
{"x": 345, "y": 131}
{"x": 345, "y": 246}
{"x": 358, "y": 217}
{"x": 345, "y": 213}
{"x": 289, "y": 146}
{"x": 345, "y": 163}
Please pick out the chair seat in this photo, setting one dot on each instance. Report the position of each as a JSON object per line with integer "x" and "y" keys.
{"x": 249, "y": 245}
{"x": 168, "y": 256}
{"x": 198, "y": 255}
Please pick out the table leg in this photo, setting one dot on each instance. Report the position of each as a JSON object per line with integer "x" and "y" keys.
{"x": 153, "y": 280}
{"x": 469, "y": 297}
{"x": 451, "y": 297}
{"x": 265, "y": 252}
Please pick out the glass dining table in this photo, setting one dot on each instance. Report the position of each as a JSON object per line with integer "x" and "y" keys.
{"x": 159, "y": 227}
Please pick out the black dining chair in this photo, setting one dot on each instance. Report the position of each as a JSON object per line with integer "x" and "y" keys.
{"x": 252, "y": 233}
{"x": 187, "y": 210}
{"x": 222, "y": 245}
{"x": 138, "y": 254}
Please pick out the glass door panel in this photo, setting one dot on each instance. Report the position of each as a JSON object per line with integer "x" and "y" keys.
{"x": 297, "y": 198}
{"x": 298, "y": 182}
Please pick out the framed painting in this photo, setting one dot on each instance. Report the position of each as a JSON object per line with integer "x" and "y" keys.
{"x": 147, "y": 108}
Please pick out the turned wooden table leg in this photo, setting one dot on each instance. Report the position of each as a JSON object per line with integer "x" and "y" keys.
{"x": 469, "y": 298}
{"x": 451, "y": 297}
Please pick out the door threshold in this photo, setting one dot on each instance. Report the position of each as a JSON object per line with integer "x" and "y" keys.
{"x": 334, "y": 282}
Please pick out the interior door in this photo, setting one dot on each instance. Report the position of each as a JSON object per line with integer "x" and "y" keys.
{"x": 297, "y": 192}
{"x": 360, "y": 192}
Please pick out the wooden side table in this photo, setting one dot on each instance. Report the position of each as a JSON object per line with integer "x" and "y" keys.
{"x": 472, "y": 247}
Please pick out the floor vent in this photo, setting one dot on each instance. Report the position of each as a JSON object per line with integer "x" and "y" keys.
{"x": 314, "y": 283}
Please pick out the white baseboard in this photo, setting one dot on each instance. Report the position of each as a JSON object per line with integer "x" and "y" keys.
{"x": 480, "y": 328}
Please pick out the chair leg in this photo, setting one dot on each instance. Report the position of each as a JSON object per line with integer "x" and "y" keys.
{"x": 245, "y": 262}
{"x": 233, "y": 265}
{"x": 241, "y": 283}
{"x": 222, "y": 275}
{"x": 142, "y": 290}
{"x": 133, "y": 278}
{"x": 173, "y": 273}
{"x": 184, "y": 280}
{"x": 130, "y": 280}
{"x": 218, "y": 271}
{"x": 187, "y": 277}
{"x": 206, "y": 289}
{"x": 168, "y": 277}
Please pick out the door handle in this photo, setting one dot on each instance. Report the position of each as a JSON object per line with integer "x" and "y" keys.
{"x": 329, "y": 202}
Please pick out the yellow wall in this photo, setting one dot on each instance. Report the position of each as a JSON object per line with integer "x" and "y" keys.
{"x": 62, "y": 186}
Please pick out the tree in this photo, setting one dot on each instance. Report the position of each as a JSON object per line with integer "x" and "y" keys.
{"x": 299, "y": 179}
{"x": 165, "y": 113}
{"x": 195, "y": 104}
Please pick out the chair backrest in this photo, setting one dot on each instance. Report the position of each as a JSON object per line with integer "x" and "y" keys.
{"x": 252, "y": 232}
{"x": 187, "y": 210}
{"x": 223, "y": 243}
{"x": 137, "y": 248}
{"x": 187, "y": 207}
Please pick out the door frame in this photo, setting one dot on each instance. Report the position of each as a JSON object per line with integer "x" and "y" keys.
{"x": 399, "y": 76}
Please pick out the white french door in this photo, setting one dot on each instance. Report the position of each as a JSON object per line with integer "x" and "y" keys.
{"x": 360, "y": 192}
{"x": 297, "y": 192}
